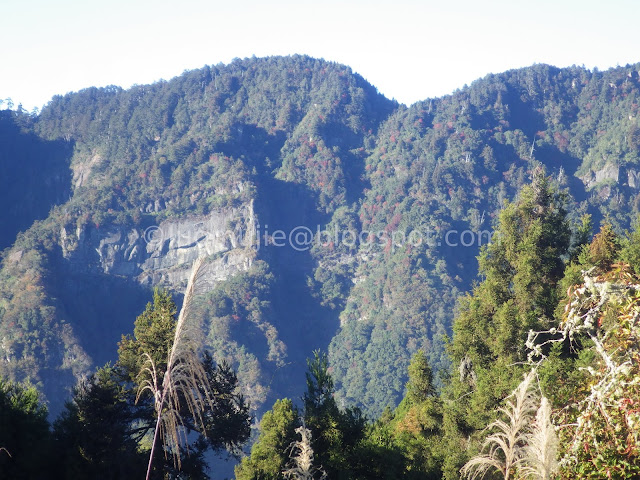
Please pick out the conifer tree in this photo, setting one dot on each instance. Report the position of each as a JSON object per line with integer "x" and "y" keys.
{"x": 336, "y": 432}
{"x": 520, "y": 271}
{"x": 224, "y": 419}
{"x": 417, "y": 423}
{"x": 96, "y": 433}
{"x": 269, "y": 457}
{"x": 603, "y": 250}
{"x": 420, "y": 385}
{"x": 343, "y": 446}
{"x": 24, "y": 432}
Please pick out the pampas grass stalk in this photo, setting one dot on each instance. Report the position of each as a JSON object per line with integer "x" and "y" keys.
{"x": 542, "y": 445}
{"x": 183, "y": 384}
{"x": 504, "y": 449}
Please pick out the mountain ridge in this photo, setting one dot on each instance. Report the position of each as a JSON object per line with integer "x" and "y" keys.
{"x": 307, "y": 143}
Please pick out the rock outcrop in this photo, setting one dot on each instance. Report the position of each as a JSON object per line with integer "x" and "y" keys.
{"x": 623, "y": 176}
{"x": 608, "y": 172}
{"x": 162, "y": 254}
{"x": 633, "y": 179}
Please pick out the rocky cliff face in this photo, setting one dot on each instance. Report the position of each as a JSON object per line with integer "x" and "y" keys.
{"x": 608, "y": 172}
{"x": 103, "y": 280}
{"x": 161, "y": 255}
{"x": 633, "y": 178}
{"x": 623, "y": 176}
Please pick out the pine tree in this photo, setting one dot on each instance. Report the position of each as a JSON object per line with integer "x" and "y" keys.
{"x": 335, "y": 433}
{"x": 603, "y": 250}
{"x": 336, "y": 436}
{"x": 420, "y": 385}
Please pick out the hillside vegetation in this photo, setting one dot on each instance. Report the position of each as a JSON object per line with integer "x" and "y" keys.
{"x": 402, "y": 202}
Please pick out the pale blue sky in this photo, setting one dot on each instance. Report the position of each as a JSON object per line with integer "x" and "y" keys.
{"x": 410, "y": 50}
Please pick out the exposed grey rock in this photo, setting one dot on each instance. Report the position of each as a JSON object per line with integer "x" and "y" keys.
{"x": 633, "y": 179}
{"x": 163, "y": 254}
{"x": 608, "y": 172}
{"x": 82, "y": 170}
{"x": 621, "y": 175}
{"x": 605, "y": 192}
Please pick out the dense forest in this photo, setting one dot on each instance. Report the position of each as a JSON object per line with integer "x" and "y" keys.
{"x": 441, "y": 290}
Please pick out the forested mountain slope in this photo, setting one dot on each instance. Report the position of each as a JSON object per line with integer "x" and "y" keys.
{"x": 133, "y": 185}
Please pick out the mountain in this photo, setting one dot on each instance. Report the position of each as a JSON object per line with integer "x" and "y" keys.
{"x": 108, "y": 193}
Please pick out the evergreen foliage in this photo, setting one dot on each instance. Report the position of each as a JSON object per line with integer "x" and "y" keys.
{"x": 97, "y": 434}
{"x": 416, "y": 425}
{"x": 304, "y": 142}
{"x": 269, "y": 456}
{"x": 24, "y": 433}
{"x": 217, "y": 415}
{"x": 521, "y": 270}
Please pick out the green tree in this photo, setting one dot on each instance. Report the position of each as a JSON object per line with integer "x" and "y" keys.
{"x": 270, "y": 454}
{"x": 218, "y": 417}
{"x": 520, "y": 269}
{"x": 343, "y": 445}
{"x": 378, "y": 456}
{"x": 604, "y": 248}
{"x": 416, "y": 425}
{"x": 630, "y": 251}
{"x": 420, "y": 385}
{"x": 24, "y": 433}
{"x": 96, "y": 435}
{"x": 581, "y": 237}
{"x": 153, "y": 333}
{"x": 336, "y": 433}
